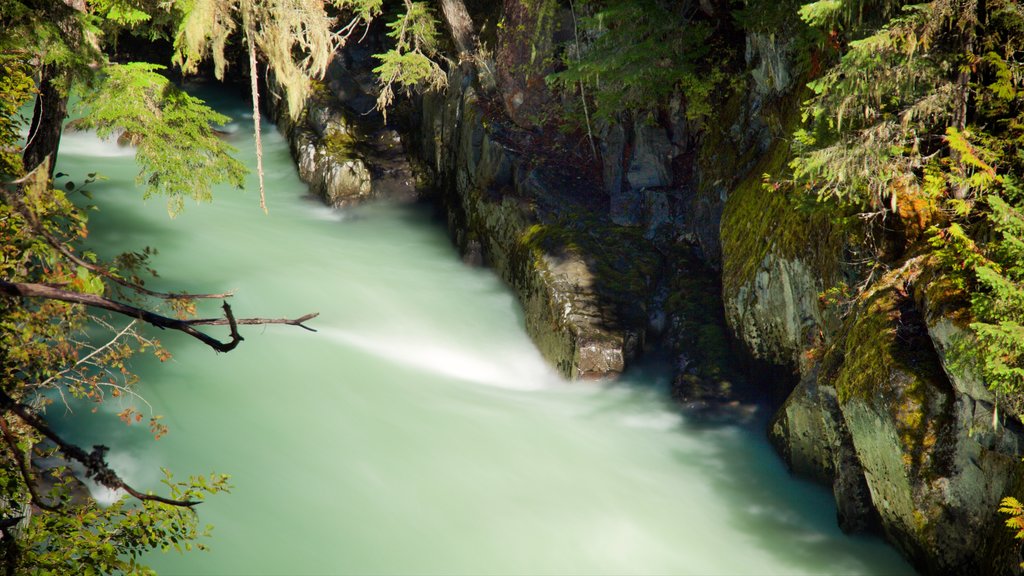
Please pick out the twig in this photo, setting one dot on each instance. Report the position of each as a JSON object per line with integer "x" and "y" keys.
{"x": 89, "y": 355}
{"x": 583, "y": 92}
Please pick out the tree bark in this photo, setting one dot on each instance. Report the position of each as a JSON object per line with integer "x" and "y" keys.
{"x": 51, "y": 106}
{"x": 460, "y": 25}
{"x": 47, "y": 120}
{"x": 525, "y": 46}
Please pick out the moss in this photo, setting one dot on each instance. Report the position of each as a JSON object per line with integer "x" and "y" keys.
{"x": 340, "y": 144}
{"x": 765, "y": 214}
{"x": 888, "y": 362}
{"x": 547, "y": 238}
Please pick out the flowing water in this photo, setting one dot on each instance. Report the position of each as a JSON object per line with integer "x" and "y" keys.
{"x": 419, "y": 431}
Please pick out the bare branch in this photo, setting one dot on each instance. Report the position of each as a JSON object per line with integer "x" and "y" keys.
{"x": 255, "y": 321}
{"x": 89, "y": 356}
{"x": 95, "y": 462}
{"x": 32, "y": 290}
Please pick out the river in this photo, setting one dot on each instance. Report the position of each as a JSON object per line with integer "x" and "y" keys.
{"x": 419, "y": 431}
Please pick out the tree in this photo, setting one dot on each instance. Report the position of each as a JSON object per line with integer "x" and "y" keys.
{"x": 921, "y": 117}
{"x": 641, "y": 54}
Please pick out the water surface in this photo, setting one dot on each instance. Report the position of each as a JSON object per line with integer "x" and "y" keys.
{"x": 419, "y": 431}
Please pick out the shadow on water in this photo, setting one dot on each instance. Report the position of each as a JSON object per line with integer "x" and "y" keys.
{"x": 794, "y": 519}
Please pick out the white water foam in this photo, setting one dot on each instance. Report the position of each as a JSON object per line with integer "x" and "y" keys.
{"x": 321, "y": 212}
{"x": 653, "y": 421}
{"x": 516, "y": 371}
{"x": 87, "y": 143}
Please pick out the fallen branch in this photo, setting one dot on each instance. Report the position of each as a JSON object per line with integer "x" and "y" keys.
{"x": 45, "y": 291}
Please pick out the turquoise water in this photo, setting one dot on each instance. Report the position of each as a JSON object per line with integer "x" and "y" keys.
{"x": 419, "y": 431}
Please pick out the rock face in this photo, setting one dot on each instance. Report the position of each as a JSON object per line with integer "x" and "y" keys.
{"x": 489, "y": 192}
{"x": 342, "y": 147}
{"x": 911, "y": 447}
{"x": 934, "y": 464}
{"x": 323, "y": 143}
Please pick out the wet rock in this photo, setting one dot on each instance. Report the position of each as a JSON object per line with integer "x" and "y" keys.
{"x": 329, "y": 164}
{"x": 776, "y": 309}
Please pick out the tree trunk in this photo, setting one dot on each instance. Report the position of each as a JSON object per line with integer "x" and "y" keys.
{"x": 460, "y": 25}
{"x": 525, "y": 47}
{"x": 47, "y": 120}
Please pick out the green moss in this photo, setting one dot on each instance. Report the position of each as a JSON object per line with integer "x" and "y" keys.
{"x": 340, "y": 144}
{"x": 888, "y": 362}
{"x": 764, "y": 212}
{"x": 867, "y": 349}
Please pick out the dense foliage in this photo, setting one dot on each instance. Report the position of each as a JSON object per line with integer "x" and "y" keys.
{"x": 45, "y": 349}
{"x": 635, "y": 56}
{"x": 922, "y": 117}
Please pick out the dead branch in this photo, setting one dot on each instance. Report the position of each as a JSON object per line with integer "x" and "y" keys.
{"x": 45, "y": 291}
{"x": 95, "y": 462}
{"x": 255, "y": 321}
